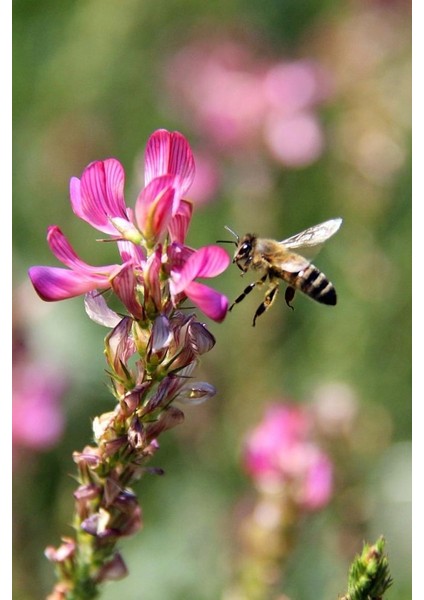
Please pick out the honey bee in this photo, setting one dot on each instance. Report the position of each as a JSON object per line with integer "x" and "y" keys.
{"x": 279, "y": 262}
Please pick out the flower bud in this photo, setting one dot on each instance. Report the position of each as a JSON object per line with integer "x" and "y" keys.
{"x": 169, "y": 418}
{"x": 136, "y": 434}
{"x": 65, "y": 551}
{"x": 195, "y": 393}
{"x": 200, "y": 338}
{"x": 113, "y": 570}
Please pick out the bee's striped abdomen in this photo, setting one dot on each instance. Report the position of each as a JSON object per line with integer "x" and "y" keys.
{"x": 312, "y": 282}
{"x": 315, "y": 284}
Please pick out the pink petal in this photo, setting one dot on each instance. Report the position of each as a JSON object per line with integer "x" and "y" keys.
{"x": 169, "y": 154}
{"x": 64, "y": 252}
{"x": 153, "y": 208}
{"x": 213, "y": 304}
{"x": 208, "y": 261}
{"x": 100, "y": 194}
{"x": 124, "y": 285}
{"x": 55, "y": 283}
{"x": 152, "y": 287}
{"x": 180, "y": 222}
{"x": 131, "y": 253}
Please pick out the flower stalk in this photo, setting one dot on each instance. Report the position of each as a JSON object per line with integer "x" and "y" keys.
{"x": 151, "y": 352}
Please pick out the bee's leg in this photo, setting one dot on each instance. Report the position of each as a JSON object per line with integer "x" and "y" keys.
{"x": 289, "y": 295}
{"x": 268, "y": 301}
{"x": 247, "y": 290}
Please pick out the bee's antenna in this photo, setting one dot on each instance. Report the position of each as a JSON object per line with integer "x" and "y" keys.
{"x": 229, "y": 241}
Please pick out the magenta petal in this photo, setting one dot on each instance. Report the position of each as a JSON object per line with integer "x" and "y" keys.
{"x": 180, "y": 222}
{"x": 154, "y": 204}
{"x": 55, "y": 283}
{"x": 75, "y": 196}
{"x": 131, "y": 253}
{"x": 208, "y": 261}
{"x": 213, "y": 304}
{"x": 64, "y": 252}
{"x": 169, "y": 154}
{"x": 100, "y": 195}
{"x": 161, "y": 214}
{"x": 211, "y": 260}
{"x": 124, "y": 285}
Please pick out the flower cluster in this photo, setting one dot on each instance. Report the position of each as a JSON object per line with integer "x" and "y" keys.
{"x": 280, "y": 454}
{"x": 151, "y": 351}
{"x": 157, "y": 270}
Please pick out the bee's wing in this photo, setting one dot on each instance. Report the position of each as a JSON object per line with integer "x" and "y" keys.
{"x": 313, "y": 236}
{"x": 291, "y": 262}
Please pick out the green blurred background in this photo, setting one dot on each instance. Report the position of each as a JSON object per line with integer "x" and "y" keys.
{"x": 91, "y": 80}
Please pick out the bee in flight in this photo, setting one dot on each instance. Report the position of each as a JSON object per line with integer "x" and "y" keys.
{"x": 279, "y": 261}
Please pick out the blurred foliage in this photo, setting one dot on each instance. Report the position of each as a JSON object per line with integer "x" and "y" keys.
{"x": 89, "y": 83}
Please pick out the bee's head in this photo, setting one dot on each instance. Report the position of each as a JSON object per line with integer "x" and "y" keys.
{"x": 244, "y": 249}
{"x": 244, "y": 253}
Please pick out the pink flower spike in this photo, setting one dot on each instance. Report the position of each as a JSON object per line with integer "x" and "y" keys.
{"x": 169, "y": 154}
{"x": 99, "y": 196}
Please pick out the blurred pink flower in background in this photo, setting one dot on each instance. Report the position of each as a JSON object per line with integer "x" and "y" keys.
{"x": 280, "y": 454}
{"x": 38, "y": 419}
{"x": 236, "y": 100}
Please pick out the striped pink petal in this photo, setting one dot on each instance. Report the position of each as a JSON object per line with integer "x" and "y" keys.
{"x": 99, "y": 195}
{"x": 64, "y": 252}
{"x": 153, "y": 208}
{"x": 169, "y": 154}
{"x": 180, "y": 222}
{"x": 124, "y": 285}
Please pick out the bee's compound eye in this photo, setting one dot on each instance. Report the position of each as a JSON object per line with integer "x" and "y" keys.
{"x": 246, "y": 247}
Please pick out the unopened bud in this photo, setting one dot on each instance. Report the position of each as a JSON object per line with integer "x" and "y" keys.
{"x": 200, "y": 338}
{"x": 195, "y": 393}
{"x": 113, "y": 570}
